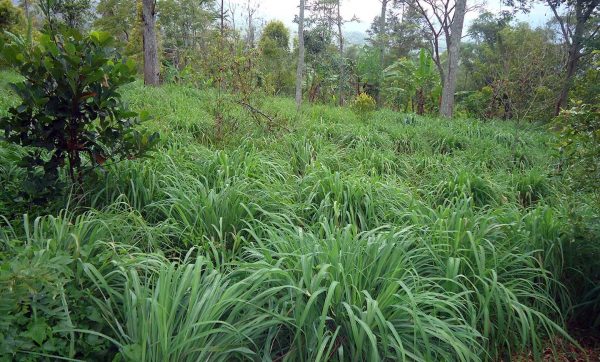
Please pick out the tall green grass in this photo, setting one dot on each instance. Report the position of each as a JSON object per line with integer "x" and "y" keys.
{"x": 395, "y": 238}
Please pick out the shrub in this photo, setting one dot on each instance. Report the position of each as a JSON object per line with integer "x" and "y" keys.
{"x": 70, "y": 107}
{"x": 579, "y": 132}
{"x": 363, "y": 105}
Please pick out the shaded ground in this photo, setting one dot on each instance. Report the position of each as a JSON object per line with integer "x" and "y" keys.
{"x": 565, "y": 351}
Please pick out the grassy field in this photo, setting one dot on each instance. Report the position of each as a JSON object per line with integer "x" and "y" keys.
{"x": 310, "y": 238}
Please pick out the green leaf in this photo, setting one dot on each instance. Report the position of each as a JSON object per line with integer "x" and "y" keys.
{"x": 38, "y": 331}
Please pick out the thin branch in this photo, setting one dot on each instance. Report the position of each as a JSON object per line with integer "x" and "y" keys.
{"x": 560, "y": 22}
{"x": 256, "y": 111}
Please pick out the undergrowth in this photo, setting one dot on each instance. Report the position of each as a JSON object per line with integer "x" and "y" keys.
{"x": 334, "y": 238}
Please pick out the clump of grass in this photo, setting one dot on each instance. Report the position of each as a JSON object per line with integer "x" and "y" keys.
{"x": 361, "y": 296}
{"x": 531, "y": 187}
{"x": 448, "y": 144}
{"x": 467, "y": 185}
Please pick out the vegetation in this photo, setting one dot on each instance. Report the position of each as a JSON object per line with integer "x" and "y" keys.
{"x": 347, "y": 224}
{"x": 70, "y": 107}
{"x": 395, "y": 238}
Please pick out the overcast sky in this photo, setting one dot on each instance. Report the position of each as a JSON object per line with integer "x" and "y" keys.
{"x": 367, "y": 10}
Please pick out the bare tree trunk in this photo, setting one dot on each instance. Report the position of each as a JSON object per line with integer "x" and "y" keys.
{"x": 574, "y": 40}
{"x": 250, "y": 38}
{"x": 341, "y": 49}
{"x": 451, "y": 71}
{"x": 151, "y": 68}
{"x": 300, "y": 69}
{"x": 420, "y": 102}
{"x": 572, "y": 62}
{"x": 222, "y": 16}
{"x": 381, "y": 42}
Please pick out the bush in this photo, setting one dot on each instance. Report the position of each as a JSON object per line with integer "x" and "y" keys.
{"x": 71, "y": 111}
{"x": 363, "y": 105}
{"x": 579, "y": 132}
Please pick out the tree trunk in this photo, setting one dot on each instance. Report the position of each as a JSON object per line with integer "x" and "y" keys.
{"x": 250, "y": 29}
{"x": 381, "y": 43}
{"x": 583, "y": 12}
{"x": 451, "y": 71}
{"x": 341, "y": 49}
{"x": 300, "y": 68}
{"x": 151, "y": 68}
{"x": 570, "y": 73}
{"x": 420, "y": 102}
{"x": 572, "y": 61}
{"x": 222, "y": 12}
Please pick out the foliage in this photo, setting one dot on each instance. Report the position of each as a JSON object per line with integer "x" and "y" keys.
{"x": 369, "y": 71}
{"x": 579, "y": 129}
{"x": 116, "y": 16}
{"x": 506, "y": 62}
{"x": 186, "y": 27}
{"x": 413, "y": 83}
{"x": 363, "y": 105}
{"x": 11, "y": 17}
{"x": 398, "y": 238}
{"x": 46, "y": 287}
{"x": 70, "y": 107}
{"x": 276, "y": 69}
{"x": 274, "y": 36}
{"x": 72, "y": 13}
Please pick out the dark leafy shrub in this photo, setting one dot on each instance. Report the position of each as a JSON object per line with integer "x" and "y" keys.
{"x": 477, "y": 103}
{"x": 71, "y": 115}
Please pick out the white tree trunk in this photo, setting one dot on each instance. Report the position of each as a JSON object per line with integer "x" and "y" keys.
{"x": 300, "y": 68}
{"x": 382, "y": 44}
{"x": 341, "y": 50}
{"x": 451, "y": 69}
{"x": 151, "y": 68}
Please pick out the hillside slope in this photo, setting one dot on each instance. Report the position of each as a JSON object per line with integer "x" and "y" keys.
{"x": 319, "y": 237}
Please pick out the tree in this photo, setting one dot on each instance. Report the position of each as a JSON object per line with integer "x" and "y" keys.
{"x": 300, "y": 66}
{"x": 251, "y": 9}
{"x": 382, "y": 39}
{"x": 574, "y": 27}
{"x": 444, "y": 17}
{"x": 341, "y": 80}
{"x": 185, "y": 27}
{"x": 151, "y": 67}
{"x": 403, "y": 31}
{"x": 117, "y": 17}
{"x": 274, "y": 48}
{"x": 275, "y": 35}
{"x": 74, "y": 13}
{"x": 506, "y": 61}
{"x": 11, "y": 17}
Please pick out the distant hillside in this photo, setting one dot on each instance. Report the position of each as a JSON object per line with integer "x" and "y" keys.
{"x": 355, "y": 37}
